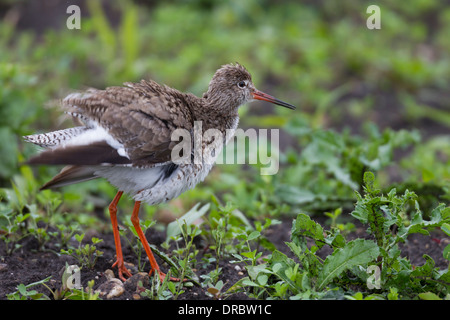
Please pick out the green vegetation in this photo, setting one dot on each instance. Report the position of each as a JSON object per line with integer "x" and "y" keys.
{"x": 350, "y": 264}
{"x": 369, "y": 145}
{"x": 86, "y": 255}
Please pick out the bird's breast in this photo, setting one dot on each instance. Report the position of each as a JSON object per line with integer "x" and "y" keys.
{"x": 184, "y": 178}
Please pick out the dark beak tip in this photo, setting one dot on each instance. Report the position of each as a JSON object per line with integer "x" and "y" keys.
{"x": 291, "y": 107}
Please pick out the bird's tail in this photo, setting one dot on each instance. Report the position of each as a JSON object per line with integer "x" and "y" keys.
{"x": 55, "y": 138}
{"x": 69, "y": 175}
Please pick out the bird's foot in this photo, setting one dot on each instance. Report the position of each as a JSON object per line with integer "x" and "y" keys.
{"x": 122, "y": 269}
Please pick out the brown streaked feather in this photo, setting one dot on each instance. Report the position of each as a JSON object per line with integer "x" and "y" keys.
{"x": 70, "y": 175}
{"x": 92, "y": 154}
{"x": 141, "y": 116}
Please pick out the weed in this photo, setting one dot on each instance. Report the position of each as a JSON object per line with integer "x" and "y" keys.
{"x": 215, "y": 291}
{"x": 23, "y": 292}
{"x": 187, "y": 259}
{"x": 344, "y": 228}
{"x": 86, "y": 255}
{"x": 84, "y": 294}
{"x": 160, "y": 291}
{"x": 368, "y": 264}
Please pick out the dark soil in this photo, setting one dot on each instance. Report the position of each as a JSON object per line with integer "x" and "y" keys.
{"x": 27, "y": 264}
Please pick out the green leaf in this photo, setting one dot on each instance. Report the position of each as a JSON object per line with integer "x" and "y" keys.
{"x": 369, "y": 180}
{"x": 303, "y": 226}
{"x": 356, "y": 252}
{"x": 429, "y": 296}
{"x": 280, "y": 263}
{"x": 256, "y": 270}
{"x": 96, "y": 240}
{"x": 418, "y": 225}
{"x": 173, "y": 229}
{"x": 262, "y": 279}
{"x": 238, "y": 214}
{"x": 79, "y": 237}
{"x": 22, "y": 289}
{"x": 425, "y": 270}
{"x": 360, "y": 212}
{"x": 446, "y": 252}
{"x": 446, "y": 228}
{"x": 249, "y": 254}
{"x": 248, "y": 282}
{"x": 393, "y": 294}
{"x": 253, "y": 235}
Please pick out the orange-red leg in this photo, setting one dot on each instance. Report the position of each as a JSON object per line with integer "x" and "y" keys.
{"x": 119, "y": 262}
{"x": 151, "y": 257}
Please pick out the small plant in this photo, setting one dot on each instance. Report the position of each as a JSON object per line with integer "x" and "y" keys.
{"x": 361, "y": 263}
{"x": 188, "y": 254}
{"x": 84, "y": 294}
{"x": 64, "y": 234}
{"x": 160, "y": 291}
{"x": 211, "y": 277}
{"x": 344, "y": 228}
{"x": 215, "y": 291}
{"x": 87, "y": 254}
{"x": 11, "y": 225}
{"x": 247, "y": 255}
{"x": 253, "y": 236}
{"x": 15, "y": 211}
{"x": 23, "y": 292}
{"x": 25, "y": 213}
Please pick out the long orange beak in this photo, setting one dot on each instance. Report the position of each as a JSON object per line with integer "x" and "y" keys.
{"x": 258, "y": 95}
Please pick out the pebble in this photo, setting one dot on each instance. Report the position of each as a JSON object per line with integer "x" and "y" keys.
{"x": 109, "y": 274}
{"x": 112, "y": 288}
{"x": 136, "y": 296}
{"x": 132, "y": 283}
{"x": 3, "y": 267}
{"x": 131, "y": 267}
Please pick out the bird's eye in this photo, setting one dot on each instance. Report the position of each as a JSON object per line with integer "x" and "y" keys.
{"x": 242, "y": 84}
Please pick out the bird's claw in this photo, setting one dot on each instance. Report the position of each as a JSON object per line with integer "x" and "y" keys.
{"x": 122, "y": 270}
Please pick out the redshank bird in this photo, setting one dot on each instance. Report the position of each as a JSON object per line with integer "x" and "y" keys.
{"x": 125, "y": 137}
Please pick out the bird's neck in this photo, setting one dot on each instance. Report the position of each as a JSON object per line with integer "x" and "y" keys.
{"x": 218, "y": 121}
{"x": 215, "y": 115}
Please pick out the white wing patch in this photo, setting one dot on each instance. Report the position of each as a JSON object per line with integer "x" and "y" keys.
{"x": 55, "y": 138}
{"x": 77, "y": 136}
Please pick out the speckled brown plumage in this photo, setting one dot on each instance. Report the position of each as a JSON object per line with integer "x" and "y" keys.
{"x": 126, "y": 137}
{"x": 141, "y": 116}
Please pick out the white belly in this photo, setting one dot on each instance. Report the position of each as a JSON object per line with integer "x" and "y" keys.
{"x": 184, "y": 178}
{"x": 150, "y": 186}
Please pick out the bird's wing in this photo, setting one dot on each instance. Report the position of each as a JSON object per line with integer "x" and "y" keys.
{"x": 130, "y": 125}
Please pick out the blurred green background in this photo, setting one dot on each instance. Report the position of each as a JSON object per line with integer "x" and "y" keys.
{"x": 367, "y": 99}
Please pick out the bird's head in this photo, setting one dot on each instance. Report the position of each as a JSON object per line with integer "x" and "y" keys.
{"x": 232, "y": 86}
